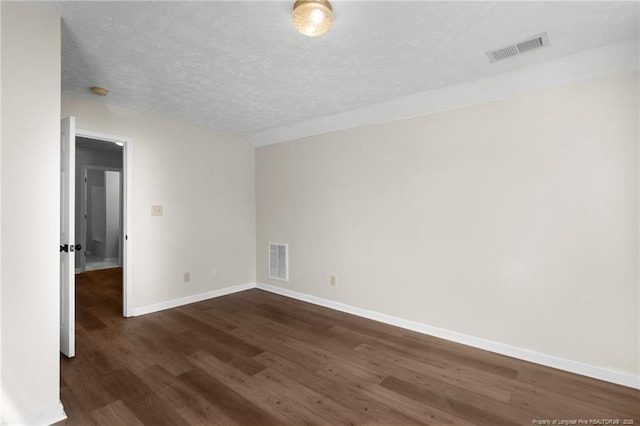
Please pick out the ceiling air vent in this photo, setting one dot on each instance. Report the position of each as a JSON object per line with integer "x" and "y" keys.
{"x": 531, "y": 43}
{"x": 279, "y": 261}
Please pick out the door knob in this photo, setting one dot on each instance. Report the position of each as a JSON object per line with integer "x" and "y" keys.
{"x": 78, "y": 247}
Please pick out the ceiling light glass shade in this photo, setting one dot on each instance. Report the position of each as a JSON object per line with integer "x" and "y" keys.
{"x": 312, "y": 17}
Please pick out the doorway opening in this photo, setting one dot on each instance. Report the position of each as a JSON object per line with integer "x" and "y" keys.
{"x": 99, "y": 204}
{"x": 110, "y": 231}
{"x": 108, "y": 159}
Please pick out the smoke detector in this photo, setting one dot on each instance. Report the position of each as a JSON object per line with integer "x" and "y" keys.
{"x": 535, "y": 42}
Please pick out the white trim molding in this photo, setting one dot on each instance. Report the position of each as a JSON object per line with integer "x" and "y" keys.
{"x": 600, "y": 373}
{"x": 174, "y": 303}
{"x": 43, "y": 417}
{"x": 613, "y": 59}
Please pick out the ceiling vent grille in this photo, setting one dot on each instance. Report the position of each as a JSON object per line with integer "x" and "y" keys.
{"x": 279, "y": 261}
{"x": 531, "y": 43}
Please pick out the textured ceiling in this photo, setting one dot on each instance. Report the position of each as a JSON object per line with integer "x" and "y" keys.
{"x": 241, "y": 66}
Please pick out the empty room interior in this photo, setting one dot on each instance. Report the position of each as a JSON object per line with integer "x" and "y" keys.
{"x": 320, "y": 212}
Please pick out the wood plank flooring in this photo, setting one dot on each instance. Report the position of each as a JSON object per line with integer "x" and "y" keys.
{"x": 254, "y": 358}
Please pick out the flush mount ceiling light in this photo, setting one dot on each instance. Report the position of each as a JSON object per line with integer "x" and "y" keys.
{"x": 99, "y": 91}
{"x": 312, "y": 17}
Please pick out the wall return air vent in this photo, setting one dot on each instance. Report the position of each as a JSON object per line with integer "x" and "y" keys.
{"x": 531, "y": 43}
{"x": 279, "y": 261}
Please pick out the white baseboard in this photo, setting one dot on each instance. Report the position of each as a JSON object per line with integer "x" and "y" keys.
{"x": 600, "y": 373}
{"x": 46, "y": 416}
{"x": 142, "y": 310}
{"x": 613, "y": 376}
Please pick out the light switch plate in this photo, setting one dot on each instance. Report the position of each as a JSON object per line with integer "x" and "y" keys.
{"x": 156, "y": 210}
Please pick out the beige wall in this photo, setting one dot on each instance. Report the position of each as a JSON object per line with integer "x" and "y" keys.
{"x": 205, "y": 181}
{"x": 514, "y": 221}
{"x": 30, "y": 209}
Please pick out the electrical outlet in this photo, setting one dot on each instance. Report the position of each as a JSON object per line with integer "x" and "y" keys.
{"x": 156, "y": 211}
{"x": 332, "y": 280}
{"x": 187, "y": 277}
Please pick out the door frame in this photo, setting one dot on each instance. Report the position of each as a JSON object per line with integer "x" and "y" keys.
{"x": 83, "y": 212}
{"x": 127, "y": 212}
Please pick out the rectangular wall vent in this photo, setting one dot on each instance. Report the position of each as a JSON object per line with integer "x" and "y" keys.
{"x": 279, "y": 261}
{"x": 531, "y": 43}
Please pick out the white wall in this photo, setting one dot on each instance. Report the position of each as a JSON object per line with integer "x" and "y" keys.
{"x": 204, "y": 180}
{"x": 514, "y": 221}
{"x": 30, "y": 210}
{"x": 96, "y": 211}
{"x": 112, "y": 225}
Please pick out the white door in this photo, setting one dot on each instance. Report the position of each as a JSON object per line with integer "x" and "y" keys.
{"x": 67, "y": 236}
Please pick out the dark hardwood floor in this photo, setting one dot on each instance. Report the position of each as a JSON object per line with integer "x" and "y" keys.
{"x": 254, "y": 358}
